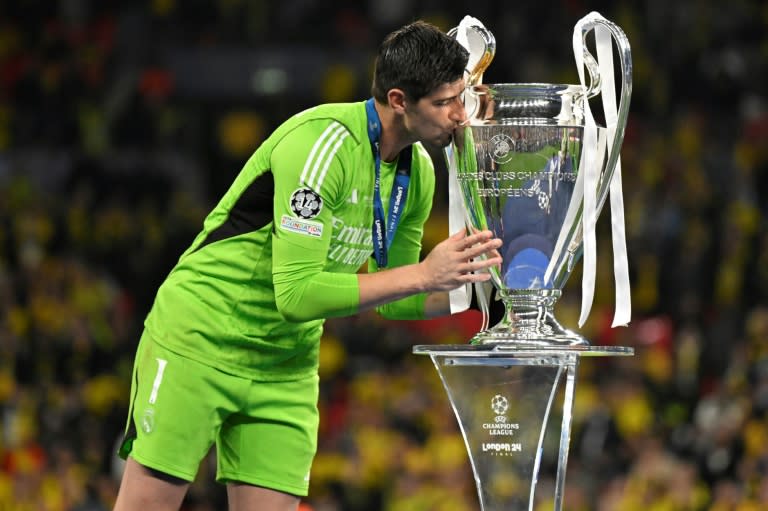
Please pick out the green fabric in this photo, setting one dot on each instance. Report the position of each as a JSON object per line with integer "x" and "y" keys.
{"x": 249, "y": 296}
{"x": 181, "y": 407}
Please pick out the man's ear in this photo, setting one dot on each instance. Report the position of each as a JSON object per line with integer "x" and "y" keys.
{"x": 396, "y": 99}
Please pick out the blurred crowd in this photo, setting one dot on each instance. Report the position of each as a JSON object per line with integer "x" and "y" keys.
{"x": 113, "y": 145}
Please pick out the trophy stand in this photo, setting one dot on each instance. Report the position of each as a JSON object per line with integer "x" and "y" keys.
{"x": 503, "y": 398}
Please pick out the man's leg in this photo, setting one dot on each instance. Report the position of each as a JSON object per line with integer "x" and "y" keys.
{"x": 171, "y": 426}
{"x": 245, "y": 497}
{"x": 265, "y": 452}
{"x": 144, "y": 489}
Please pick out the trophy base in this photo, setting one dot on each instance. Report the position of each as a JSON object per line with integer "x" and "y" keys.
{"x": 525, "y": 338}
{"x": 529, "y": 322}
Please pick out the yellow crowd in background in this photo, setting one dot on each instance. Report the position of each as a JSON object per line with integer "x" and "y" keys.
{"x": 109, "y": 160}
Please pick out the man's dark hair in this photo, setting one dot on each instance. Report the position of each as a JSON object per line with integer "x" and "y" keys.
{"x": 417, "y": 58}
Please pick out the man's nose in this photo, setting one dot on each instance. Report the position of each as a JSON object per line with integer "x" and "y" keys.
{"x": 459, "y": 112}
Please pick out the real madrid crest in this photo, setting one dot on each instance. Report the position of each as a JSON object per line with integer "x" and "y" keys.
{"x": 148, "y": 421}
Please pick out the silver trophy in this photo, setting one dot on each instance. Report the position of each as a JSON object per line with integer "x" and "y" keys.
{"x": 521, "y": 172}
{"x": 532, "y": 166}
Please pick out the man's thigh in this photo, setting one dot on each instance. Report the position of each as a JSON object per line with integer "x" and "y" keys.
{"x": 245, "y": 497}
{"x": 271, "y": 443}
{"x": 178, "y": 406}
{"x": 142, "y": 488}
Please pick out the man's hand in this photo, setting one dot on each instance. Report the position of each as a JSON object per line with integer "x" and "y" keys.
{"x": 452, "y": 262}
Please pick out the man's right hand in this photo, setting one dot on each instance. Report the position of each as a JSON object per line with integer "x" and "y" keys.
{"x": 452, "y": 262}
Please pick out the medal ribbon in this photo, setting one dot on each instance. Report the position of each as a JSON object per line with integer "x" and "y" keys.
{"x": 384, "y": 231}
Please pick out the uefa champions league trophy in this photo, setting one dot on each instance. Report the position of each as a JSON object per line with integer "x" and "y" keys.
{"x": 536, "y": 173}
{"x": 532, "y": 166}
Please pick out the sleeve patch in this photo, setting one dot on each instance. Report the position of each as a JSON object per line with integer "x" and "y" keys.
{"x": 297, "y": 225}
{"x": 306, "y": 203}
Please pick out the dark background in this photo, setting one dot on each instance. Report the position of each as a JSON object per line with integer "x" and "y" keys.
{"x": 121, "y": 123}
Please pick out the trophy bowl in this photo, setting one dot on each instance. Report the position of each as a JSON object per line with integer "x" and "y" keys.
{"x": 517, "y": 164}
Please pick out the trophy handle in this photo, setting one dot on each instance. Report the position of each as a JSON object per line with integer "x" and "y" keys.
{"x": 487, "y": 51}
{"x": 597, "y": 82}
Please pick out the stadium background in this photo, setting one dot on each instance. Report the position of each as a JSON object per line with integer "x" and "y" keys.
{"x": 121, "y": 122}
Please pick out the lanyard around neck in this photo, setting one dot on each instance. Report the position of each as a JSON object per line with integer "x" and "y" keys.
{"x": 384, "y": 233}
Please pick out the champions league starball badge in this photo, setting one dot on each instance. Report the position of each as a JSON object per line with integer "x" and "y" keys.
{"x": 306, "y": 203}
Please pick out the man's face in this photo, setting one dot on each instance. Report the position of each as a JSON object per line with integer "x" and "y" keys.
{"x": 434, "y": 117}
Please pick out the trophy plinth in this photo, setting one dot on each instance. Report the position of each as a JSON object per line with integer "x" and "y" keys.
{"x": 507, "y": 399}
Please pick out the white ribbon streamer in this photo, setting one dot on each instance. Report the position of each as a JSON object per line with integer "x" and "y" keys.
{"x": 460, "y": 297}
{"x": 623, "y": 312}
{"x": 591, "y": 169}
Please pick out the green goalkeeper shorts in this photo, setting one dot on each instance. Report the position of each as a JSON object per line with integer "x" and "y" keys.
{"x": 265, "y": 432}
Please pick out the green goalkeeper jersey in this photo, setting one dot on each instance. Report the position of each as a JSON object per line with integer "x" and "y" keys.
{"x": 280, "y": 251}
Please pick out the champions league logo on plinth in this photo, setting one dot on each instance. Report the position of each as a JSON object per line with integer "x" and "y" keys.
{"x": 500, "y": 405}
{"x": 500, "y": 429}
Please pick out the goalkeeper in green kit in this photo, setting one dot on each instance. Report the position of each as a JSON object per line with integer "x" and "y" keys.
{"x": 229, "y": 353}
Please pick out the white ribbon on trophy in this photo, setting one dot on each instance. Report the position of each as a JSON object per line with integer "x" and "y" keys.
{"x": 594, "y": 150}
{"x": 460, "y": 297}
